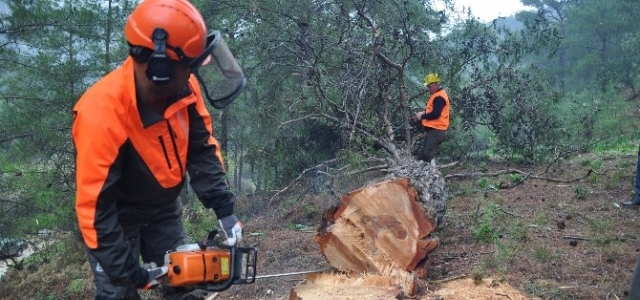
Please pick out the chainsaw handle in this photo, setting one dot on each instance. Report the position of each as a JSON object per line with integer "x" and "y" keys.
{"x": 242, "y": 265}
{"x": 232, "y": 273}
{"x": 210, "y": 241}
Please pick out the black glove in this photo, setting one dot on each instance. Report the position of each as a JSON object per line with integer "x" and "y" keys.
{"x": 231, "y": 230}
{"x": 154, "y": 275}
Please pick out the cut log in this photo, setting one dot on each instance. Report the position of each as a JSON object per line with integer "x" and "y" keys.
{"x": 382, "y": 229}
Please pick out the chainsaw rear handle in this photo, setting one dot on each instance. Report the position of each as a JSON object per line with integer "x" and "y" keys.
{"x": 242, "y": 265}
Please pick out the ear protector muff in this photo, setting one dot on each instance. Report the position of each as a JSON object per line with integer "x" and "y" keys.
{"x": 160, "y": 68}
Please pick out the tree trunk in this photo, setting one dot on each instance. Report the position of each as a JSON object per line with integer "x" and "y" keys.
{"x": 384, "y": 230}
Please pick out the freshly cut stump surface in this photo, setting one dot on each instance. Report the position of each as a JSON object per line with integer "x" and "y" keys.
{"x": 381, "y": 229}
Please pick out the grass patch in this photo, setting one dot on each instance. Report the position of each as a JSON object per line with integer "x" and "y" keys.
{"x": 485, "y": 184}
{"x": 541, "y": 219}
{"x": 615, "y": 181}
{"x": 548, "y": 290}
{"x": 198, "y": 221}
{"x": 518, "y": 232}
{"x": 486, "y": 229}
{"x": 462, "y": 189}
{"x": 543, "y": 253}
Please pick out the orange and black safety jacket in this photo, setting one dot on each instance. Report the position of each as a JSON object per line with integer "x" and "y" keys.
{"x": 128, "y": 155}
{"x": 437, "y": 111}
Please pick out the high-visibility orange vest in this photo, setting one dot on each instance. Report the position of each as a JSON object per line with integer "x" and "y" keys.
{"x": 442, "y": 122}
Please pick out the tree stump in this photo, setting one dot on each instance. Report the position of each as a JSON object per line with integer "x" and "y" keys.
{"x": 384, "y": 230}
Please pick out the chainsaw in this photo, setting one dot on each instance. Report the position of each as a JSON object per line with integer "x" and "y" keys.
{"x": 211, "y": 266}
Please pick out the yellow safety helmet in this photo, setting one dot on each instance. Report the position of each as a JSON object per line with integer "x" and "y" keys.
{"x": 431, "y": 78}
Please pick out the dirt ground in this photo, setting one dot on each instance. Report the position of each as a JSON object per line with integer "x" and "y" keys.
{"x": 551, "y": 236}
{"x": 560, "y": 235}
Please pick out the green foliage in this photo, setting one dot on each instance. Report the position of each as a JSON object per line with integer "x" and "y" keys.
{"x": 548, "y": 290}
{"x": 463, "y": 189}
{"x": 47, "y": 254}
{"x": 599, "y": 226}
{"x": 198, "y": 221}
{"x": 469, "y": 145}
{"x": 503, "y": 256}
{"x": 308, "y": 144}
{"x": 485, "y": 183}
{"x": 506, "y": 252}
{"x": 587, "y": 125}
{"x": 486, "y": 231}
{"x": 53, "y": 56}
{"x": 613, "y": 182}
{"x": 581, "y": 192}
{"x": 320, "y": 88}
{"x": 541, "y": 218}
{"x": 518, "y": 232}
{"x": 478, "y": 275}
{"x": 516, "y": 178}
{"x": 76, "y": 285}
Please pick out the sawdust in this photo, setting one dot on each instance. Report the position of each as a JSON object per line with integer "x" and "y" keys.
{"x": 467, "y": 289}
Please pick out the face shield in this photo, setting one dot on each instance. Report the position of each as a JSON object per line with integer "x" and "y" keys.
{"x": 220, "y": 77}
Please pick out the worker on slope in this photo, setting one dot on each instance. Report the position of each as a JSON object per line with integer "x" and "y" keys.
{"x": 434, "y": 118}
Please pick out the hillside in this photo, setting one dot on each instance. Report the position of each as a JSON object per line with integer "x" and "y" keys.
{"x": 548, "y": 237}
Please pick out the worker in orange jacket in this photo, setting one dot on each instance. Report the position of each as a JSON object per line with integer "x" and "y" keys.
{"x": 434, "y": 118}
{"x": 137, "y": 132}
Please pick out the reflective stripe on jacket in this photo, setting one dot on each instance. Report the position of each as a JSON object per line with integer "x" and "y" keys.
{"x": 127, "y": 155}
{"x": 442, "y": 122}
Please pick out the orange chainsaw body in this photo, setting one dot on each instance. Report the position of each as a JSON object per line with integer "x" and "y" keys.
{"x": 197, "y": 266}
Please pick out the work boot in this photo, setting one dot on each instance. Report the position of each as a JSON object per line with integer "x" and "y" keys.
{"x": 634, "y": 202}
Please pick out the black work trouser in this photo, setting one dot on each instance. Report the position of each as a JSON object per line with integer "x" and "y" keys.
{"x": 150, "y": 233}
{"x": 431, "y": 145}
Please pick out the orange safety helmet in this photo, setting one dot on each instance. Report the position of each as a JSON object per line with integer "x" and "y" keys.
{"x": 183, "y": 23}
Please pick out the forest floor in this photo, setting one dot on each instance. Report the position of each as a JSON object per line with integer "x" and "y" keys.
{"x": 559, "y": 233}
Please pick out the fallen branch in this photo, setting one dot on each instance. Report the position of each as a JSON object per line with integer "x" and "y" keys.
{"x": 609, "y": 294}
{"x": 446, "y": 279}
{"x": 508, "y": 213}
{"x": 504, "y": 295}
{"x": 300, "y": 177}
{"x": 374, "y": 168}
{"x": 576, "y": 238}
{"x": 526, "y": 175}
{"x": 566, "y": 287}
{"x": 453, "y": 164}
